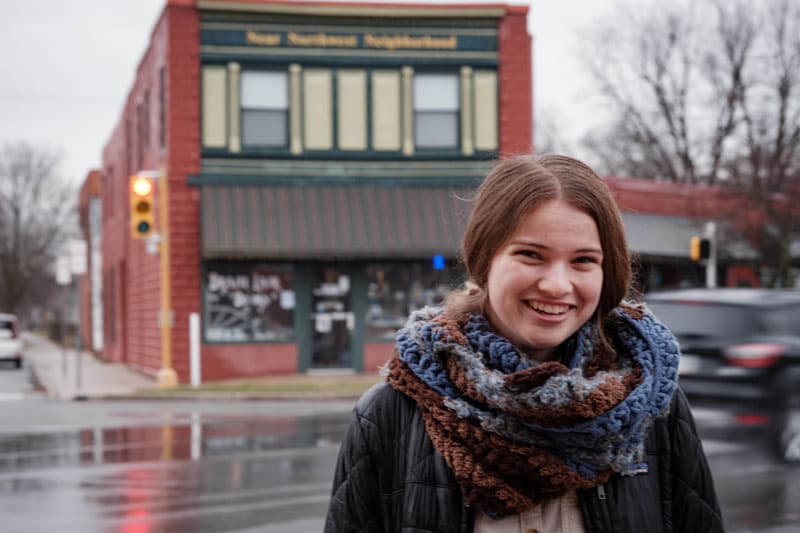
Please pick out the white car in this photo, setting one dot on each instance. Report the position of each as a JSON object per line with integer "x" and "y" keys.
{"x": 10, "y": 342}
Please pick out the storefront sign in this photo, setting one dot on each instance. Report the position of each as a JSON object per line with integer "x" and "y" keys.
{"x": 430, "y": 41}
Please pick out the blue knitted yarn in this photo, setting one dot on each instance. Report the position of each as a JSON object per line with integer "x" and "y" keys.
{"x": 612, "y": 439}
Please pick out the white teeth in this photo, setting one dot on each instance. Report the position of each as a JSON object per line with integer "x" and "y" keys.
{"x": 549, "y": 309}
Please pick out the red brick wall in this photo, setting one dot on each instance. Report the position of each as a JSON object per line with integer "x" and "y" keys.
{"x": 696, "y": 201}
{"x": 114, "y": 243}
{"x": 376, "y": 354}
{"x": 647, "y": 196}
{"x": 174, "y": 46}
{"x": 515, "y": 84}
{"x": 138, "y": 283}
{"x": 229, "y": 361}
{"x": 741, "y": 276}
{"x": 183, "y": 134}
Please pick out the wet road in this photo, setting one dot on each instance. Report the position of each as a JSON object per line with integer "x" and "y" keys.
{"x": 146, "y": 467}
{"x": 757, "y": 492}
{"x": 156, "y": 467}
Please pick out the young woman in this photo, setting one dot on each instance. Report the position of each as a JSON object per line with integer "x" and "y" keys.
{"x": 536, "y": 398}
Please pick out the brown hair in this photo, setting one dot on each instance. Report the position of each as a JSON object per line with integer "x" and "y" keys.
{"x": 515, "y": 187}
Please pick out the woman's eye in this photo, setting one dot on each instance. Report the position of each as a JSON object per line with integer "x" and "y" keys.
{"x": 529, "y": 253}
{"x": 587, "y": 259}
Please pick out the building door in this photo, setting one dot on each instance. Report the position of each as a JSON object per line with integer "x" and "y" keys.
{"x": 332, "y": 319}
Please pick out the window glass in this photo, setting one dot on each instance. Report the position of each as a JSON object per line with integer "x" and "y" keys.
{"x": 162, "y": 103}
{"x": 707, "y": 319}
{"x": 264, "y": 90}
{"x": 436, "y": 130}
{"x": 264, "y": 128}
{"x": 396, "y": 289}
{"x": 784, "y": 320}
{"x": 248, "y": 302}
{"x": 265, "y": 109}
{"x": 436, "y": 92}
{"x": 436, "y": 105}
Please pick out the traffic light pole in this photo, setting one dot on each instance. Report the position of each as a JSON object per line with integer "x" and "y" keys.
{"x": 142, "y": 188}
{"x": 167, "y": 377}
{"x": 711, "y": 262}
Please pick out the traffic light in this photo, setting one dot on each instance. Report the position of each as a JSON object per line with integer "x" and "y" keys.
{"x": 142, "y": 217}
{"x": 699, "y": 248}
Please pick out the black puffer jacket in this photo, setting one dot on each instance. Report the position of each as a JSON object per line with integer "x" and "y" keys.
{"x": 390, "y": 478}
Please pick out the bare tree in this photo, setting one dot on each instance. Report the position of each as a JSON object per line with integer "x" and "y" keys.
{"x": 37, "y": 210}
{"x": 547, "y": 134}
{"x": 708, "y": 92}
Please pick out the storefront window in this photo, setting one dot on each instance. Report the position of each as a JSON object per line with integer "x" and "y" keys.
{"x": 265, "y": 108}
{"x": 396, "y": 289}
{"x": 248, "y": 302}
{"x": 436, "y": 108}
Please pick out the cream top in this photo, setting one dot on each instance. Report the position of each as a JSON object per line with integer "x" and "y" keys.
{"x": 556, "y": 515}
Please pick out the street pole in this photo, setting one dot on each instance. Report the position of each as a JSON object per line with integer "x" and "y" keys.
{"x": 711, "y": 262}
{"x": 63, "y": 341}
{"x": 77, "y": 346}
{"x": 195, "y": 370}
{"x": 167, "y": 377}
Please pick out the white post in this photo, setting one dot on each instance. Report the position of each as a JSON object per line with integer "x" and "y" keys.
{"x": 194, "y": 349}
{"x": 196, "y": 437}
{"x": 711, "y": 262}
{"x": 97, "y": 445}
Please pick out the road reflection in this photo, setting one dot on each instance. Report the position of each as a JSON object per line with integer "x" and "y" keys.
{"x": 214, "y": 473}
{"x": 201, "y": 438}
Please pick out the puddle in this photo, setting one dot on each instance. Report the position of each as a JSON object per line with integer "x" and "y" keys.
{"x": 190, "y": 437}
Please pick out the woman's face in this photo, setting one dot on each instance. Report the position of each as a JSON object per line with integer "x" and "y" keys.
{"x": 545, "y": 282}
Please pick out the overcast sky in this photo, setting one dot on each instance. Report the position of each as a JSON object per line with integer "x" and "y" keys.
{"x": 67, "y": 67}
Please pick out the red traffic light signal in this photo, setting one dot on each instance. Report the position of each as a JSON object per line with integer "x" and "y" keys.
{"x": 142, "y": 214}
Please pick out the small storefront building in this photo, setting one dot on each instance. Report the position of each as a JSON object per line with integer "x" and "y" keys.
{"x": 314, "y": 164}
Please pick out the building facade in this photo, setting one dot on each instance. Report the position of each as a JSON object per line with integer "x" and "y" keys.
{"x": 90, "y": 283}
{"x": 314, "y": 163}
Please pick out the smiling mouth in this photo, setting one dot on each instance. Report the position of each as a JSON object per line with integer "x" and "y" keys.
{"x": 549, "y": 309}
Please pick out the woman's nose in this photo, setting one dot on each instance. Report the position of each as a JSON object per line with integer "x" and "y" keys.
{"x": 555, "y": 282}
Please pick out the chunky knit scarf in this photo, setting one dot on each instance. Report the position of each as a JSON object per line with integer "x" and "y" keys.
{"x": 515, "y": 431}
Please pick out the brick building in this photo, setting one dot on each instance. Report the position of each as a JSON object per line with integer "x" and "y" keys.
{"x": 312, "y": 161}
{"x": 661, "y": 218}
{"x": 90, "y": 283}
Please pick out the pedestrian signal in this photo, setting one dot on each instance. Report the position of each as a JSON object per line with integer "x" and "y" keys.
{"x": 142, "y": 216}
{"x": 699, "y": 248}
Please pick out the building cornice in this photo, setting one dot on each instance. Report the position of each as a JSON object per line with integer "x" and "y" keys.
{"x": 357, "y": 10}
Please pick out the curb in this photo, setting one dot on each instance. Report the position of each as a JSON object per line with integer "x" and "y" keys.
{"x": 225, "y": 397}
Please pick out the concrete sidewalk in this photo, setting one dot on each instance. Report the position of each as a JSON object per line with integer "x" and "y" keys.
{"x": 71, "y": 374}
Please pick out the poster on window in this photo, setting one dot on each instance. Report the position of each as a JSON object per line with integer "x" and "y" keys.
{"x": 248, "y": 303}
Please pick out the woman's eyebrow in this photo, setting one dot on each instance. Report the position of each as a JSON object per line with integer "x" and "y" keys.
{"x": 534, "y": 244}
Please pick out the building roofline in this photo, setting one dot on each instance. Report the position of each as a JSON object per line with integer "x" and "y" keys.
{"x": 357, "y": 9}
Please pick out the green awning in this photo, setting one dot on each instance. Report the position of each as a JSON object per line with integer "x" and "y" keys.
{"x": 332, "y": 221}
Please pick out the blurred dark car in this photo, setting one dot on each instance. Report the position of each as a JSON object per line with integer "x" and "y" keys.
{"x": 740, "y": 348}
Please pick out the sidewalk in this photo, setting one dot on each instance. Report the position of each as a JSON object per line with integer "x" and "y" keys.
{"x": 69, "y": 374}
{"x": 72, "y": 375}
